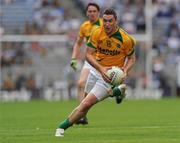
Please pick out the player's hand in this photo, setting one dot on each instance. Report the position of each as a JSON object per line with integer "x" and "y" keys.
{"x": 125, "y": 75}
{"x": 103, "y": 72}
{"x": 74, "y": 64}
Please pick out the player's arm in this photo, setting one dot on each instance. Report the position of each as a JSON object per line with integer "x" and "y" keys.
{"x": 76, "y": 50}
{"x": 89, "y": 57}
{"x": 129, "y": 64}
{"x": 130, "y": 55}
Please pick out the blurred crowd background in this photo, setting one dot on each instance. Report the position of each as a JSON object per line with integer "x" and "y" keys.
{"x": 40, "y": 69}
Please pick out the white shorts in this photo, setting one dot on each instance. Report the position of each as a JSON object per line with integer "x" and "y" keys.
{"x": 87, "y": 65}
{"x": 96, "y": 85}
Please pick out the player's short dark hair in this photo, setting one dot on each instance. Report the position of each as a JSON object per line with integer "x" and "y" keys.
{"x": 93, "y": 4}
{"x": 110, "y": 11}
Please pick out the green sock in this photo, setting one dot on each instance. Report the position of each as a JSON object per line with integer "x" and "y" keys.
{"x": 65, "y": 124}
{"x": 116, "y": 91}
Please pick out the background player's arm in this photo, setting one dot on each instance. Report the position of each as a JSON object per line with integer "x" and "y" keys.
{"x": 90, "y": 58}
{"x": 76, "y": 50}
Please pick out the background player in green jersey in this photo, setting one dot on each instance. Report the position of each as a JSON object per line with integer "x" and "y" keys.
{"x": 92, "y": 12}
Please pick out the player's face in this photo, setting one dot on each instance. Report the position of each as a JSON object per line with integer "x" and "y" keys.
{"x": 92, "y": 13}
{"x": 109, "y": 23}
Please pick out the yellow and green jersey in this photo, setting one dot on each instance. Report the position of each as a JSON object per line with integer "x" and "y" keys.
{"x": 111, "y": 50}
{"x": 87, "y": 27}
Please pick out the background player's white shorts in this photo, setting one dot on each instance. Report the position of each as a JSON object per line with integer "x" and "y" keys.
{"x": 87, "y": 65}
{"x": 96, "y": 85}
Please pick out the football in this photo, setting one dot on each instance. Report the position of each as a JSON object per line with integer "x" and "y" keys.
{"x": 116, "y": 75}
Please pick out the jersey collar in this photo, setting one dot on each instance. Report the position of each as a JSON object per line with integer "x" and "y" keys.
{"x": 117, "y": 35}
{"x": 97, "y": 22}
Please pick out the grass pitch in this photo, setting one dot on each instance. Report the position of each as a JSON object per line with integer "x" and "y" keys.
{"x": 143, "y": 121}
